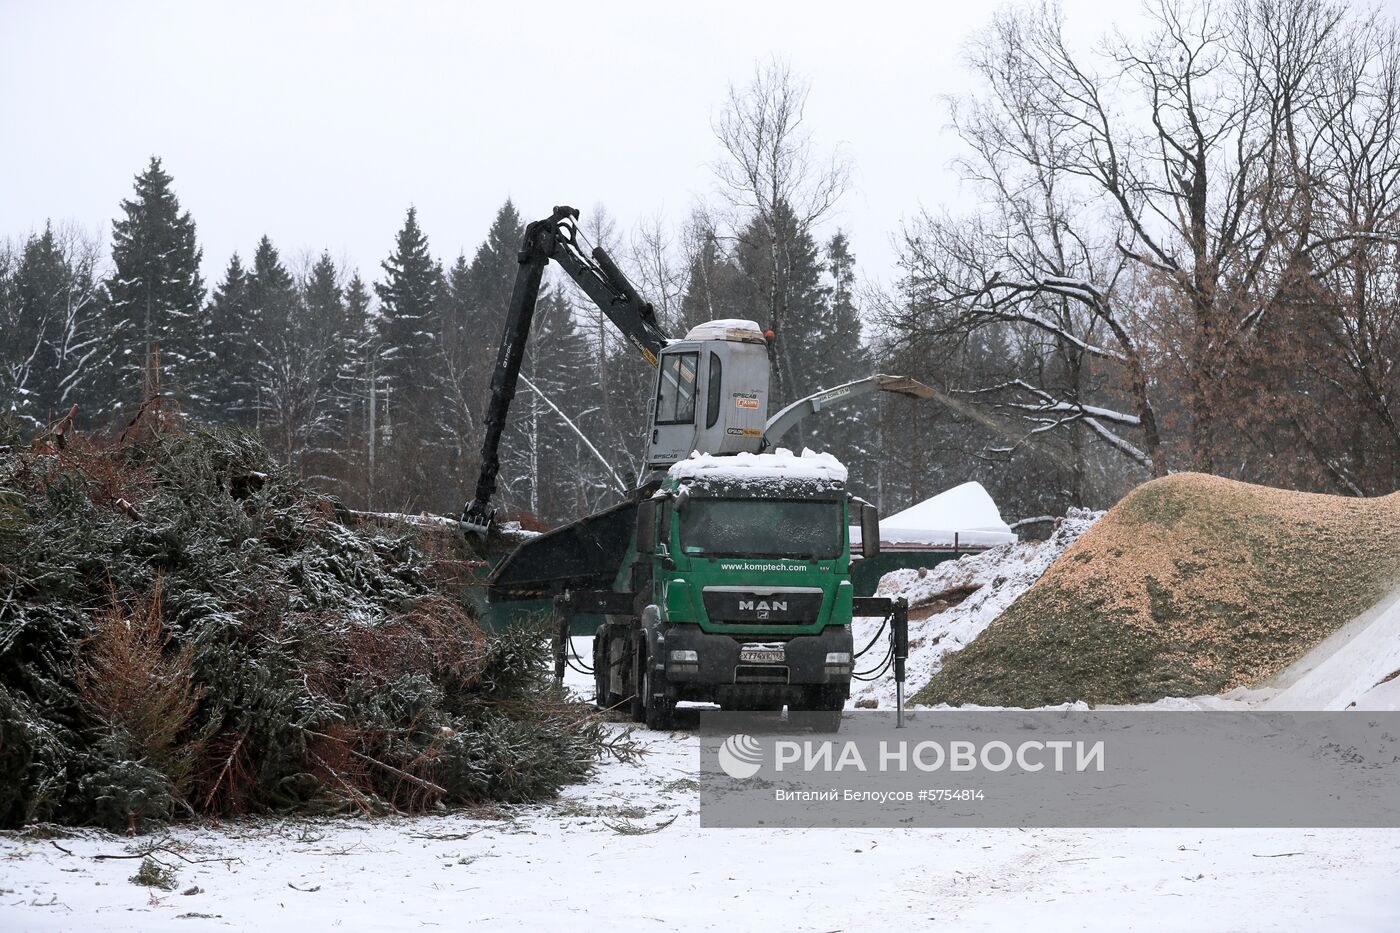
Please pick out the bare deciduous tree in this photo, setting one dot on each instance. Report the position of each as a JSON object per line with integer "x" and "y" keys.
{"x": 1158, "y": 208}
{"x": 771, "y": 171}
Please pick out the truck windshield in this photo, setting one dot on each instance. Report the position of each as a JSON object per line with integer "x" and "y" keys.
{"x": 762, "y": 528}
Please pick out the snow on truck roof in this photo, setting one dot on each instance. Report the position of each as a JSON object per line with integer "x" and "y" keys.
{"x": 727, "y": 329}
{"x": 781, "y": 464}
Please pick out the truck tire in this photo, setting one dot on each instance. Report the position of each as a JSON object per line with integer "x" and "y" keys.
{"x": 639, "y": 706}
{"x": 660, "y": 709}
{"x": 602, "y": 673}
{"x": 820, "y": 710}
{"x": 825, "y": 721}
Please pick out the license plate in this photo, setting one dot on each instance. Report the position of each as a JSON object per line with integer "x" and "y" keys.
{"x": 751, "y": 655}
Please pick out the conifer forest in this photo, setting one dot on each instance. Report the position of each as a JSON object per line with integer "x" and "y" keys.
{"x": 1191, "y": 266}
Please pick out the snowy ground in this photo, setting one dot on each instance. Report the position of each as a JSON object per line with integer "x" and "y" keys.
{"x": 591, "y": 861}
{"x": 586, "y": 862}
{"x": 568, "y": 867}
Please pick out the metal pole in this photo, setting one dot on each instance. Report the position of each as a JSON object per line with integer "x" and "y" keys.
{"x": 899, "y": 633}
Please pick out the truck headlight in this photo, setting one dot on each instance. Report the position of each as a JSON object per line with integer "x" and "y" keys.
{"x": 834, "y": 658}
{"x": 691, "y": 657}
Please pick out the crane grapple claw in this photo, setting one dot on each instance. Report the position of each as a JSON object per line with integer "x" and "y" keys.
{"x": 478, "y": 521}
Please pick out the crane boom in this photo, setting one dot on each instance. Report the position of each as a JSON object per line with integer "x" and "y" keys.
{"x": 734, "y": 377}
{"x": 555, "y": 237}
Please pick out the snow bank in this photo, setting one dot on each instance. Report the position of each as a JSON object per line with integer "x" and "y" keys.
{"x": 963, "y": 515}
{"x": 746, "y": 468}
{"x": 997, "y": 577}
{"x": 1354, "y": 667}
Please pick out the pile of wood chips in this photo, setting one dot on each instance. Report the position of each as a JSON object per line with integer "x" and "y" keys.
{"x": 1191, "y": 585}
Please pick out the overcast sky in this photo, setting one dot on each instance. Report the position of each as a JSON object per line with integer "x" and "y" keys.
{"x": 318, "y": 123}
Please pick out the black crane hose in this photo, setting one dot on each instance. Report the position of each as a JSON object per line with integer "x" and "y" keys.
{"x": 575, "y": 662}
{"x": 875, "y": 673}
{"x": 884, "y": 622}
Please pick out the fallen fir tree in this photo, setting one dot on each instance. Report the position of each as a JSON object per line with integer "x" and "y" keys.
{"x": 185, "y": 630}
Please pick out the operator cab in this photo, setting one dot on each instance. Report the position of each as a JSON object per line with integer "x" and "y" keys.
{"x": 711, "y": 393}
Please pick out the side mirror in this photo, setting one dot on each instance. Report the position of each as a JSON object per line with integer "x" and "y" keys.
{"x": 869, "y": 530}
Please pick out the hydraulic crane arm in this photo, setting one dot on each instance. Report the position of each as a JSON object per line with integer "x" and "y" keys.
{"x": 555, "y": 237}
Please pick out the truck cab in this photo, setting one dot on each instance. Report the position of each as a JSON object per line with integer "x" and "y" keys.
{"x": 739, "y": 577}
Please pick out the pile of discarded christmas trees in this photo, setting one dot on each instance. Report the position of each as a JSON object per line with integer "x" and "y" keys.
{"x": 187, "y": 630}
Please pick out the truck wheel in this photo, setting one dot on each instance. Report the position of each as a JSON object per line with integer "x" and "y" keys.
{"x": 660, "y": 710}
{"x": 829, "y": 699}
{"x": 639, "y": 705}
{"x": 602, "y": 679}
{"x": 825, "y": 720}
{"x": 601, "y": 694}
{"x": 820, "y": 710}
{"x": 818, "y": 720}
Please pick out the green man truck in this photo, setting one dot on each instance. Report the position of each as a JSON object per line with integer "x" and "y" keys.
{"x": 725, "y": 575}
{"x": 741, "y": 587}
{"x": 728, "y": 583}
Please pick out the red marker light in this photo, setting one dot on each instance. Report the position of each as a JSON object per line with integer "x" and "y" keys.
{"x": 768, "y": 334}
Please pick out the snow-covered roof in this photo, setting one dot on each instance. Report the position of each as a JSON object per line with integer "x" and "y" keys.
{"x": 727, "y": 329}
{"x": 965, "y": 515}
{"x": 781, "y": 464}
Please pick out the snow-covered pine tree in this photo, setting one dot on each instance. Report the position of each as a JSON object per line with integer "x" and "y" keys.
{"x": 490, "y": 279}
{"x": 840, "y": 360}
{"x": 839, "y": 355}
{"x": 286, "y": 367}
{"x": 232, "y": 373}
{"x": 461, "y": 362}
{"x": 411, "y": 368}
{"x": 50, "y": 314}
{"x": 717, "y": 288}
{"x": 28, "y": 352}
{"x": 408, "y": 300}
{"x": 323, "y": 307}
{"x": 474, "y": 308}
{"x": 359, "y": 385}
{"x": 154, "y": 295}
{"x": 781, "y": 262}
{"x": 11, "y": 355}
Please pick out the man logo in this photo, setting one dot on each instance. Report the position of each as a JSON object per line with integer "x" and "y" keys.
{"x": 763, "y": 606}
{"x": 741, "y": 756}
